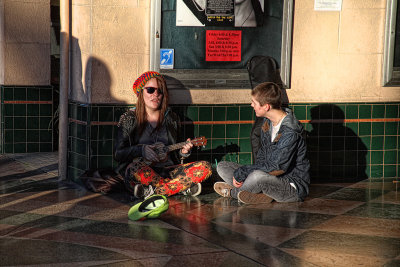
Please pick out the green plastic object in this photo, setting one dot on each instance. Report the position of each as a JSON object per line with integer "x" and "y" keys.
{"x": 152, "y": 207}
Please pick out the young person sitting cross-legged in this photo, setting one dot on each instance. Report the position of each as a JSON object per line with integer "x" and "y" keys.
{"x": 281, "y": 172}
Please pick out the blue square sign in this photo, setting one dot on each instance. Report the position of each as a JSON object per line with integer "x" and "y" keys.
{"x": 166, "y": 58}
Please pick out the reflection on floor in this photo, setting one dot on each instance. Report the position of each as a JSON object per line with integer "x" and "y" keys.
{"x": 46, "y": 222}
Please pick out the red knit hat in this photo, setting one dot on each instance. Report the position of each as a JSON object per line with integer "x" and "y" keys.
{"x": 142, "y": 80}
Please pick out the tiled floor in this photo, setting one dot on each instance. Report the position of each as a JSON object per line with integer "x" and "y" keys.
{"x": 43, "y": 222}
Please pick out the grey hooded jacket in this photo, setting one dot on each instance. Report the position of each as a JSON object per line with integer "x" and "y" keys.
{"x": 285, "y": 157}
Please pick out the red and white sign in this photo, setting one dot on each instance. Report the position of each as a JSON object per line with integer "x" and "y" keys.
{"x": 223, "y": 45}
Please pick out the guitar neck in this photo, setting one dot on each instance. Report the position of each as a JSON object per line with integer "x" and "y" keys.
{"x": 177, "y": 146}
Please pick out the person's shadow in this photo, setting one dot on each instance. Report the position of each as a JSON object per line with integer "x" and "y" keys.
{"x": 335, "y": 151}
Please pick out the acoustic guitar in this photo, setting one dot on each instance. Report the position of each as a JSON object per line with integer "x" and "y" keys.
{"x": 162, "y": 150}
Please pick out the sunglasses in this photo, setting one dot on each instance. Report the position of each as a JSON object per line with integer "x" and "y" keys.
{"x": 151, "y": 90}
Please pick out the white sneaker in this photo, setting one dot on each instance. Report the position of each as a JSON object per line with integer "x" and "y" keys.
{"x": 193, "y": 191}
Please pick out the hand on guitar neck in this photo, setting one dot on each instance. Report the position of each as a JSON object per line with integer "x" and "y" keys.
{"x": 159, "y": 152}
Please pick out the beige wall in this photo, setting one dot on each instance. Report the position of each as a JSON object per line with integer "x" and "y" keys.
{"x": 336, "y": 56}
{"x": 25, "y": 40}
{"x": 110, "y": 48}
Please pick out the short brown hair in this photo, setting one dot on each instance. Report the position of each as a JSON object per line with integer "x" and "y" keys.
{"x": 268, "y": 93}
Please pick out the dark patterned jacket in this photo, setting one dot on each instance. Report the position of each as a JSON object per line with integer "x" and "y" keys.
{"x": 285, "y": 157}
{"x": 126, "y": 146}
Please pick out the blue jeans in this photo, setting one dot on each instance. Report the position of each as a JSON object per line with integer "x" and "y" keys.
{"x": 259, "y": 182}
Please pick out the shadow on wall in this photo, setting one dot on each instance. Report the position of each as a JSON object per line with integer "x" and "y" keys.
{"x": 335, "y": 152}
{"x": 178, "y": 90}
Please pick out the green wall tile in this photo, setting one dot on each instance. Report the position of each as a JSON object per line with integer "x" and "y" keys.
{"x": 218, "y": 131}
{"x": 325, "y": 158}
{"x": 353, "y": 126}
{"x": 392, "y": 111}
{"x": 105, "y": 148}
{"x": 8, "y": 136}
{"x": 93, "y": 147}
{"x": 8, "y": 148}
{"x": 337, "y": 158}
{"x": 8, "y": 93}
{"x": 376, "y": 171}
{"x": 391, "y": 128}
{"x": 325, "y": 111}
{"x": 106, "y": 114}
{"x": 389, "y": 171}
{"x": 219, "y": 113}
{"x": 94, "y": 114}
{"x": 378, "y": 111}
{"x": 246, "y": 113}
{"x": 366, "y": 140}
{"x": 365, "y": 128}
{"x": 44, "y": 122}
{"x": 351, "y": 157}
{"x": 8, "y": 122}
{"x": 351, "y": 143}
{"x": 33, "y": 136}
{"x": 73, "y": 111}
{"x": 232, "y": 113}
{"x": 377, "y": 142}
{"x": 83, "y": 113}
{"x": 205, "y": 113}
{"x": 46, "y": 147}
{"x": 20, "y": 110}
{"x": 390, "y": 157}
{"x": 45, "y": 136}
{"x": 245, "y": 145}
{"x": 205, "y": 130}
{"x": 365, "y": 111}
{"x": 231, "y": 157}
{"x": 32, "y": 109}
{"x": 32, "y": 123}
{"x": 20, "y": 148}
{"x": 245, "y": 158}
{"x": 192, "y": 113}
{"x": 105, "y": 161}
{"x": 245, "y": 130}
{"x": 300, "y": 112}
{"x": 33, "y": 147}
{"x": 93, "y": 162}
{"x": 232, "y": 130}
{"x": 46, "y": 110}
{"x": 82, "y": 131}
{"x": 310, "y": 112}
{"x": 19, "y": 136}
{"x": 378, "y": 128}
{"x": 33, "y": 94}
{"x": 19, "y": 93}
{"x": 376, "y": 157}
{"x": 94, "y": 129}
{"x": 46, "y": 94}
{"x": 352, "y": 112}
{"x": 218, "y": 144}
{"x": 390, "y": 142}
{"x": 8, "y": 109}
{"x": 19, "y": 122}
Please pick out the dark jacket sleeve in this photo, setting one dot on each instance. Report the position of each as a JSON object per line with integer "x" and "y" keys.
{"x": 125, "y": 149}
{"x": 275, "y": 161}
{"x": 255, "y": 137}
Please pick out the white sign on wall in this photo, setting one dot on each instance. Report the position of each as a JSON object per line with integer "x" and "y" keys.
{"x": 328, "y": 5}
